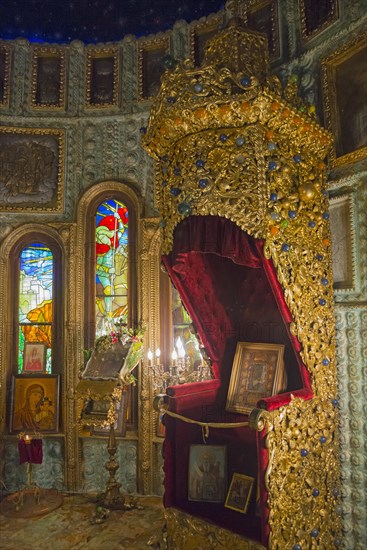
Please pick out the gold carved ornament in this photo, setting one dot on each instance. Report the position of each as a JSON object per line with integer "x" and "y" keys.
{"x": 229, "y": 140}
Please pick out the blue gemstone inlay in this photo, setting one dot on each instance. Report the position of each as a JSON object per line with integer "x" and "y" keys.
{"x": 326, "y": 215}
{"x": 297, "y": 158}
{"x": 325, "y": 362}
{"x": 198, "y": 88}
{"x": 176, "y": 171}
{"x": 315, "y": 493}
{"x": 274, "y": 215}
{"x": 285, "y": 247}
{"x": 304, "y": 452}
{"x": 164, "y": 183}
{"x": 171, "y": 99}
{"x": 292, "y": 214}
{"x": 199, "y": 163}
{"x": 245, "y": 80}
{"x": 143, "y": 130}
{"x": 312, "y": 224}
{"x": 335, "y": 403}
{"x": 314, "y": 533}
{"x": 184, "y": 208}
{"x": 203, "y": 183}
{"x": 322, "y": 302}
{"x": 322, "y": 439}
{"x": 297, "y": 547}
{"x": 273, "y": 196}
{"x": 272, "y": 165}
{"x": 240, "y": 141}
{"x": 175, "y": 191}
{"x": 272, "y": 146}
{"x": 223, "y": 137}
{"x": 324, "y": 281}
{"x": 319, "y": 257}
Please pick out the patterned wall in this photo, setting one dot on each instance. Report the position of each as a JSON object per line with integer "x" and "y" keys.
{"x": 104, "y": 144}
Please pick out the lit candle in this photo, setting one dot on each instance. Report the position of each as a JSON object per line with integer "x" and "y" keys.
{"x": 157, "y": 354}
{"x": 150, "y": 357}
{"x": 27, "y": 439}
{"x": 174, "y": 357}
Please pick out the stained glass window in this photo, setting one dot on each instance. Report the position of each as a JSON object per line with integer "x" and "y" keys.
{"x": 112, "y": 220}
{"x": 35, "y": 300}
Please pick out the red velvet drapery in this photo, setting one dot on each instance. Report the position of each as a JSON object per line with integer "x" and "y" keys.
{"x": 232, "y": 294}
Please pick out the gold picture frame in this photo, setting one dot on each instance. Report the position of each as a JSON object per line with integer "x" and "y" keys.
{"x": 48, "y": 78}
{"x": 262, "y": 16}
{"x": 317, "y": 18}
{"x": 257, "y": 372}
{"x": 345, "y": 91}
{"x": 102, "y": 77}
{"x": 5, "y": 63}
{"x": 35, "y": 403}
{"x": 200, "y": 33}
{"x": 343, "y": 243}
{"x": 34, "y": 357}
{"x": 150, "y": 68}
{"x": 239, "y": 493}
{"x": 207, "y": 476}
{"x": 36, "y": 155}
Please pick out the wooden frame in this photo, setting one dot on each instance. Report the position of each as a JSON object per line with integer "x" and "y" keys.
{"x": 257, "y": 372}
{"x": 5, "y": 57}
{"x": 239, "y": 493}
{"x": 345, "y": 92}
{"x": 308, "y": 9}
{"x": 34, "y": 403}
{"x": 48, "y": 78}
{"x": 207, "y": 473}
{"x": 36, "y": 156}
{"x": 150, "y": 70}
{"x": 102, "y": 77}
{"x": 34, "y": 357}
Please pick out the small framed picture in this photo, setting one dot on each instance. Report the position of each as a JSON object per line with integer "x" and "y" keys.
{"x": 239, "y": 493}
{"x": 207, "y": 473}
{"x": 257, "y": 372}
{"x": 34, "y": 357}
{"x": 35, "y": 403}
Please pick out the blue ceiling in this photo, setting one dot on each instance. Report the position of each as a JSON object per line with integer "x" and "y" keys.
{"x": 96, "y": 20}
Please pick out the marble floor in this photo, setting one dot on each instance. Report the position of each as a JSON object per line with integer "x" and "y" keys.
{"x": 71, "y": 527}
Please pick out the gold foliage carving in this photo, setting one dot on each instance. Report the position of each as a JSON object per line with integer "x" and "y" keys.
{"x": 189, "y": 533}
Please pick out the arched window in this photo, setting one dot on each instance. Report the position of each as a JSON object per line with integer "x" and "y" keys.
{"x": 35, "y": 308}
{"x": 112, "y": 238}
{"x": 107, "y": 236}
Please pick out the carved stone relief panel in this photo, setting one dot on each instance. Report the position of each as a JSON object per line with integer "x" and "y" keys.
{"x": 31, "y": 169}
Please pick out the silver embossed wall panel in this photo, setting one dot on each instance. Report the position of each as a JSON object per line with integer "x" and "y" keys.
{"x": 95, "y": 456}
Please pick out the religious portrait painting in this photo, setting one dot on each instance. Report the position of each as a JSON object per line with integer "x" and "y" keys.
{"x": 35, "y": 403}
{"x": 31, "y": 169}
{"x": 239, "y": 493}
{"x": 257, "y": 372}
{"x": 34, "y": 357}
{"x": 48, "y": 78}
{"x": 207, "y": 473}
